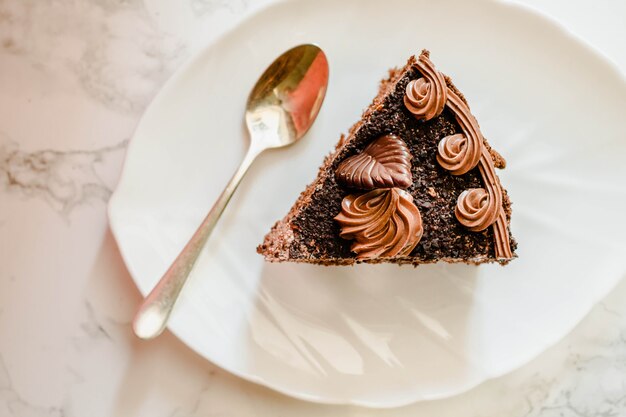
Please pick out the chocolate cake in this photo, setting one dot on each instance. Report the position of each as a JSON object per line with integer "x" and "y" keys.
{"x": 413, "y": 182}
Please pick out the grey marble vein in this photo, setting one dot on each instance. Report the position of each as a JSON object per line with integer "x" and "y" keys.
{"x": 130, "y": 85}
{"x": 91, "y": 330}
{"x": 118, "y": 56}
{"x": 15, "y": 405}
{"x": 591, "y": 383}
{"x": 191, "y": 409}
{"x": 64, "y": 179}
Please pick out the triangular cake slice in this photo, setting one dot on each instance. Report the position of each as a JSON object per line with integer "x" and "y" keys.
{"x": 413, "y": 182}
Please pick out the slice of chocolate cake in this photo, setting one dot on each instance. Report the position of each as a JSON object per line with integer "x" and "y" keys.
{"x": 413, "y": 182}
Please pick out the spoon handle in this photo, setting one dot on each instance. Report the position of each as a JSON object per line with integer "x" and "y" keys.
{"x": 155, "y": 310}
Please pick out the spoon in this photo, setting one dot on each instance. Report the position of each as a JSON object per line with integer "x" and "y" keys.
{"x": 281, "y": 108}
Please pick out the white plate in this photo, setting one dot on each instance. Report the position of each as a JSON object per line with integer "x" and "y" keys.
{"x": 383, "y": 335}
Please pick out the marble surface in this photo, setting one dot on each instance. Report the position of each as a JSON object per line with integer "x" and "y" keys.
{"x": 75, "y": 77}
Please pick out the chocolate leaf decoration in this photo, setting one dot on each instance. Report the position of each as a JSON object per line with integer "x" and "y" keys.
{"x": 384, "y": 163}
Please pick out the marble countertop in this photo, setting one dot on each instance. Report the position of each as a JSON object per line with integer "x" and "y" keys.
{"x": 75, "y": 77}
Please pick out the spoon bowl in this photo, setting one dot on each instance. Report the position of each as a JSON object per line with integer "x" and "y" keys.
{"x": 287, "y": 97}
{"x": 281, "y": 108}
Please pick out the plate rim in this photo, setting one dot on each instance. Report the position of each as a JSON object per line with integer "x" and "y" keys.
{"x": 114, "y": 220}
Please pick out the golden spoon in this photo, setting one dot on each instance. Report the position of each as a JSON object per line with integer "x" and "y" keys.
{"x": 281, "y": 108}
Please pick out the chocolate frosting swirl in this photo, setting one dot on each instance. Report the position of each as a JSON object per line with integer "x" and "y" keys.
{"x": 384, "y": 163}
{"x": 382, "y": 222}
{"x": 461, "y": 152}
{"x": 426, "y": 96}
{"x": 477, "y": 208}
{"x": 472, "y": 208}
{"x": 501, "y": 236}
